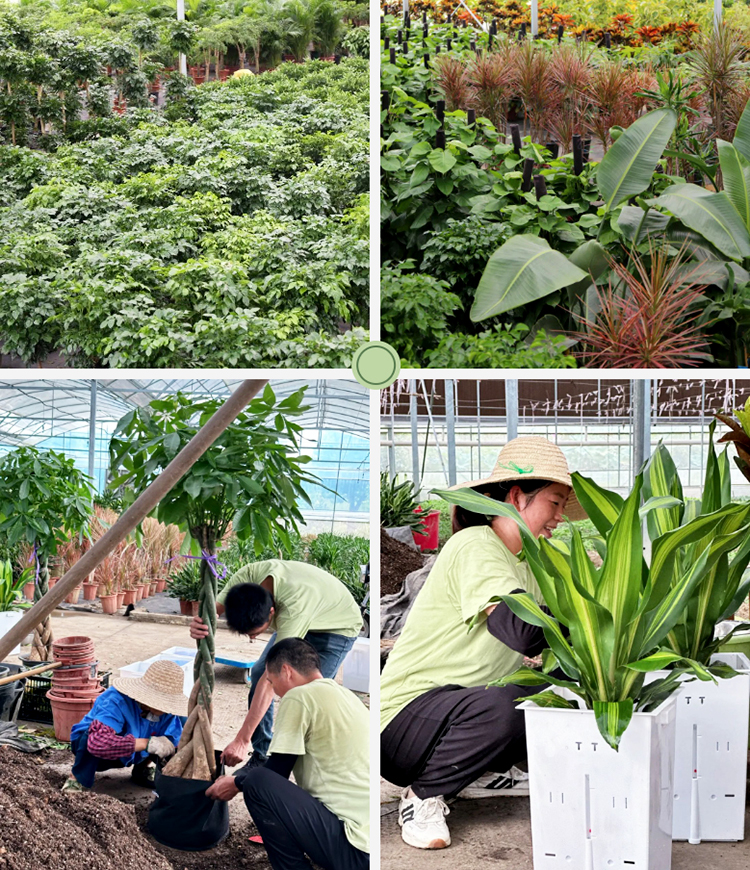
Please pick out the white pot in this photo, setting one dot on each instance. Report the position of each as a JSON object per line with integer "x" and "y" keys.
{"x": 593, "y": 808}
{"x": 355, "y": 673}
{"x": 8, "y": 618}
{"x": 711, "y": 755}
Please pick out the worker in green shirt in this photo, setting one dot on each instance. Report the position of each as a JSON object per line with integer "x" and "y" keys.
{"x": 321, "y": 736}
{"x": 291, "y": 599}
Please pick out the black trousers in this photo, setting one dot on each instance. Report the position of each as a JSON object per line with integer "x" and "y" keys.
{"x": 445, "y": 739}
{"x": 294, "y": 825}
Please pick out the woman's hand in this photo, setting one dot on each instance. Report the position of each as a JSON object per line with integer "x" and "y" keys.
{"x": 198, "y": 628}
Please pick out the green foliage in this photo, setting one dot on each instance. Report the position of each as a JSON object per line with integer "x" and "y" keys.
{"x": 235, "y": 234}
{"x": 342, "y": 556}
{"x": 356, "y": 42}
{"x": 398, "y": 503}
{"x": 620, "y": 616}
{"x": 10, "y": 589}
{"x": 44, "y": 499}
{"x": 251, "y": 475}
{"x": 503, "y": 346}
{"x": 185, "y": 582}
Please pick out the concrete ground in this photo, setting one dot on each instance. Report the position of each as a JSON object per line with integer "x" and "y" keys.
{"x": 497, "y": 832}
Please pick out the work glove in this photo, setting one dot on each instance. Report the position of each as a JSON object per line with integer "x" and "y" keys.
{"x": 161, "y": 746}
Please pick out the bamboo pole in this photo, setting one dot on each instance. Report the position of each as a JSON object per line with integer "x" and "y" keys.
{"x": 140, "y": 508}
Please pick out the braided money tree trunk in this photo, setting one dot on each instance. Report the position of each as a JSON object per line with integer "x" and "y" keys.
{"x": 250, "y": 478}
{"x": 44, "y": 501}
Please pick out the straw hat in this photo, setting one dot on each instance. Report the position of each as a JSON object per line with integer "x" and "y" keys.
{"x": 532, "y": 457}
{"x": 159, "y": 688}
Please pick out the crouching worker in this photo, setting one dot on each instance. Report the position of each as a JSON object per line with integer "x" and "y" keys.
{"x": 133, "y": 723}
{"x": 321, "y": 735}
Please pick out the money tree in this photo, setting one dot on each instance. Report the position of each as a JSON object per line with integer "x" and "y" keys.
{"x": 252, "y": 477}
{"x": 45, "y": 501}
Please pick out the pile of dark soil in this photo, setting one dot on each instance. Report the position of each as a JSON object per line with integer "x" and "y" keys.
{"x": 396, "y": 561}
{"x": 41, "y": 827}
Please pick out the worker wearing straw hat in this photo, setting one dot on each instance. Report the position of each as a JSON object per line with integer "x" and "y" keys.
{"x": 443, "y": 732}
{"x": 135, "y": 721}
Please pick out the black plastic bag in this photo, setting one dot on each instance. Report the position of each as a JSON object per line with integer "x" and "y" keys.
{"x": 182, "y": 817}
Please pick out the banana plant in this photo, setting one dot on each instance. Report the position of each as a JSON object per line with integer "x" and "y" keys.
{"x": 724, "y": 587}
{"x": 609, "y": 626}
{"x": 525, "y": 268}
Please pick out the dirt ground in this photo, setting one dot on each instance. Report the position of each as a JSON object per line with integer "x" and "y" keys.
{"x": 110, "y": 821}
{"x": 396, "y": 561}
{"x": 496, "y": 832}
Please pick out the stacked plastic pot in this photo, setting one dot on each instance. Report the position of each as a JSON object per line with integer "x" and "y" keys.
{"x": 75, "y": 684}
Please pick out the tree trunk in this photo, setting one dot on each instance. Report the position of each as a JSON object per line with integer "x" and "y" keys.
{"x": 195, "y": 758}
{"x": 41, "y": 647}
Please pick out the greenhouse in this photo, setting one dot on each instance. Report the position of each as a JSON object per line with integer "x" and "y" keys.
{"x": 139, "y": 520}
{"x": 584, "y": 548}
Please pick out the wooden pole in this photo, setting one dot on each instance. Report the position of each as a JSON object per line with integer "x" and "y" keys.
{"x": 140, "y": 508}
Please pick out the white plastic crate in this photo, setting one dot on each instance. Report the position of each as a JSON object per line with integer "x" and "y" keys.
{"x": 356, "y": 667}
{"x": 711, "y": 756}
{"x": 593, "y": 808}
{"x": 137, "y": 669}
{"x": 8, "y": 619}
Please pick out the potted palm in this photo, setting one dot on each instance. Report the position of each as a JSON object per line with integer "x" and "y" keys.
{"x": 607, "y": 628}
{"x": 44, "y": 501}
{"x": 251, "y": 477}
{"x": 184, "y": 583}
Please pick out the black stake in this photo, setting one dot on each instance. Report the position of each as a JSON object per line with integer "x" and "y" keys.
{"x": 577, "y": 155}
{"x": 440, "y": 139}
{"x": 440, "y": 111}
{"x": 406, "y": 47}
{"x": 515, "y": 135}
{"x": 448, "y": 44}
{"x": 392, "y": 55}
{"x": 540, "y": 188}
{"x": 385, "y": 100}
{"x": 608, "y": 40}
{"x": 471, "y": 117}
{"x": 400, "y": 37}
{"x": 427, "y": 61}
{"x": 560, "y": 31}
{"x": 528, "y": 168}
{"x": 387, "y": 43}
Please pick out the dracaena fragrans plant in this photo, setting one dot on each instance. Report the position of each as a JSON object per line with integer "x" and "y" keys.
{"x": 723, "y": 589}
{"x": 608, "y": 626}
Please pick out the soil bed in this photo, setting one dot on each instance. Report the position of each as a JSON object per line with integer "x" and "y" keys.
{"x": 44, "y": 828}
{"x": 396, "y": 561}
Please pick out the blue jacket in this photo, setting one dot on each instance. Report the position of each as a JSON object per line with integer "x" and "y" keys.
{"x": 124, "y": 715}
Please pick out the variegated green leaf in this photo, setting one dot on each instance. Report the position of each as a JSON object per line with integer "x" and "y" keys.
{"x": 613, "y": 717}
{"x": 524, "y": 606}
{"x": 660, "y": 479}
{"x": 530, "y": 677}
{"x": 601, "y": 505}
{"x": 550, "y": 699}
{"x": 657, "y": 661}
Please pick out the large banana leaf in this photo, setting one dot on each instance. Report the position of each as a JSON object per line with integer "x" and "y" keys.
{"x": 711, "y": 215}
{"x": 634, "y": 220}
{"x": 741, "y": 139}
{"x": 628, "y": 167}
{"x": 735, "y": 171}
{"x": 523, "y": 270}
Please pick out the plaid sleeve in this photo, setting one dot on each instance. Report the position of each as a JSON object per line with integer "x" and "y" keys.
{"x": 104, "y": 742}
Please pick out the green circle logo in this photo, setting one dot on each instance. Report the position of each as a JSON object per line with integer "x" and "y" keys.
{"x": 376, "y": 365}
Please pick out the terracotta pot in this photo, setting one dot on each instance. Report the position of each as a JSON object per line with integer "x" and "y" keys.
{"x": 161, "y": 584}
{"x": 89, "y": 591}
{"x": 120, "y": 599}
{"x": 72, "y": 597}
{"x": 28, "y": 591}
{"x": 188, "y": 608}
{"x": 109, "y": 603}
{"x": 146, "y": 589}
{"x": 138, "y": 592}
{"x": 152, "y": 587}
{"x": 129, "y": 596}
{"x": 52, "y": 581}
{"x": 66, "y": 712}
{"x": 75, "y": 645}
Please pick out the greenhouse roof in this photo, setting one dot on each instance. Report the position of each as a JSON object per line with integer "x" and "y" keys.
{"x": 33, "y": 410}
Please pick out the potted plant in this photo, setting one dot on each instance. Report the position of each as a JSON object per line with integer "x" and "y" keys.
{"x": 106, "y": 575}
{"x": 184, "y": 583}
{"x": 399, "y": 509}
{"x": 709, "y": 790}
{"x": 607, "y": 628}
{"x": 252, "y": 477}
{"x": 44, "y": 501}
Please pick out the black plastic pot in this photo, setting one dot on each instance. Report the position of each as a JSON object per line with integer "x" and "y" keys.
{"x": 182, "y": 817}
{"x": 11, "y": 694}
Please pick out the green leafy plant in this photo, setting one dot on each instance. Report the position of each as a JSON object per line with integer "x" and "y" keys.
{"x": 45, "y": 500}
{"x": 185, "y": 582}
{"x": 10, "y": 589}
{"x": 618, "y": 617}
{"x": 251, "y": 477}
{"x": 739, "y": 436}
{"x": 397, "y": 504}
{"x": 342, "y": 556}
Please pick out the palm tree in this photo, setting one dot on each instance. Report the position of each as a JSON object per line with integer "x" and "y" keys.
{"x": 328, "y": 26}
{"x": 300, "y": 17}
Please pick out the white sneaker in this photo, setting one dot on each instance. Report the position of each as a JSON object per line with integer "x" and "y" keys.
{"x": 513, "y": 783}
{"x": 423, "y": 821}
